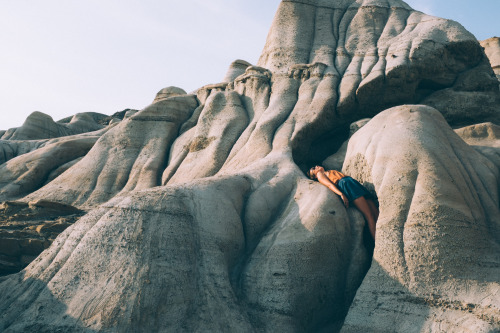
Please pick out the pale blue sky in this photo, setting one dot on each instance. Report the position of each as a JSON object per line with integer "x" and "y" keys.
{"x": 62, "y": 57}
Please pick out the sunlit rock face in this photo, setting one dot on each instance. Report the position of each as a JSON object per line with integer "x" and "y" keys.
{"x": 492, "y": 49}
{"x": 436, "y": 262}
{"x": 381, "y": 53}
{"x": 200, "y": 217}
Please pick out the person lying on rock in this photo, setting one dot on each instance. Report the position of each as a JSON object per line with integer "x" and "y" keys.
{"x": 350, "y": 190}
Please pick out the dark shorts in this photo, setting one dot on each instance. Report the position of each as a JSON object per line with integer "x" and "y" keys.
{"x": 352, "y": 188}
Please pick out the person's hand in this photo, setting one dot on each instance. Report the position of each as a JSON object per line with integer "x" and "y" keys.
{"x": 346, "y": 201}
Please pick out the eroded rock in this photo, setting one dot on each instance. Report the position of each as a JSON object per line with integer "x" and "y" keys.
{"x": 26, "y": 229}
{"x": 28, "y": 172}
{"x": 41, "y": 126}
{"x": 129, "y": 156}
{"x": 492, "y": 49}
{"x": 437, "y": 243}
{"x": 200, "y": 217}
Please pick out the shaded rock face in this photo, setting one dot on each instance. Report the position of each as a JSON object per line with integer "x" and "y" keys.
{"x": 27, "y": 172}
{"x": 200, "y": 217}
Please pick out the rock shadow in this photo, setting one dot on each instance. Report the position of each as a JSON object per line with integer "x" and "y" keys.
{"x": 29, "y": 305}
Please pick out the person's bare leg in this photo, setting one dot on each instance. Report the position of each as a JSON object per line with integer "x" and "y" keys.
{"x": 364, "y": 207}
{"x": 373, "y": 208}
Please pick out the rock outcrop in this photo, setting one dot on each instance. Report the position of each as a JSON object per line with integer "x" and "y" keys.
{"x": 28, "y": 172}
{"x": 168, "y": 92}
{"x": 436, "y": 262}
{"x": 26, "y": 229}
{"x": 130, "y": 156}
{"x": 381, "y": 53}
{"x": 41, "y": 126}
{"x": 485, "y": 138}
{"x": 200, "y": 217}
{"x": 237, "y": 68}
{"x": 492, "y": 49}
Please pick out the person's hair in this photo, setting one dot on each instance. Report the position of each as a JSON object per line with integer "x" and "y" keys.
{"x": 309, "y": 174}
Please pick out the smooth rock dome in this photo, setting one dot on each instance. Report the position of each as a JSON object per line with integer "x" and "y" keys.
{"x": 168, "y": 92}
{"x": 237, "y": 68}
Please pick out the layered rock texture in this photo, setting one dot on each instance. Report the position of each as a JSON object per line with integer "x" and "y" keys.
{"x": 194, "y": 213}
{"x": 26, "y": 229}
{"x": 436, "y": 259}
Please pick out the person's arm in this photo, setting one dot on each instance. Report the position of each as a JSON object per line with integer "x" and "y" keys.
{"x": 324, "y": 180}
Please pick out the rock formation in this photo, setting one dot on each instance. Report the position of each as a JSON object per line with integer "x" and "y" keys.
{"x": 41, "y": 126}
{"x": 200, "y": 218}
{"x": 436, "y": 260}
{"x": 492, "y": 49}
{"x": 29, "y": 228}
{"x": 237, "y": 68}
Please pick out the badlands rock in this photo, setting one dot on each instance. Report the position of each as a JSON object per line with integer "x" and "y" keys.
{"x": 492, "y": 49}
{"x": 436, "y": 263}
{"x": 41, "y": 126}
{"x": 401, "y": 56}
{"x": 13, "y": 148}
{"x": 28, "y": 172}
{"x": 201, "y": 218}
{"x": 27, "y": 229}
{"x": 129, "y": 156}
{"x": 117, "y": 117}
{"x": 168, "y": 92}
{"x": 485, "y": 138}
{"x": 218, "y": 254}
{"x": 10, "y": 149}
{"x": 237, "y": 68}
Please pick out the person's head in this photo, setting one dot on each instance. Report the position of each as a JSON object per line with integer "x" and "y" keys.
{"x": 313, "y": 171}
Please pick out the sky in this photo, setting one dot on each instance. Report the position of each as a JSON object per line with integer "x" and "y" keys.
{"x": 62, "y": 57}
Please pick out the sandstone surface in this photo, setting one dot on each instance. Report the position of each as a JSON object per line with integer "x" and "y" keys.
{"x": 485, "y": 138}
{"x": 200, "y": 217}
{"x": 436, "y": 262}
{"x": 492, "y": 49}
{"x": 237, "y": 68}
{"x": 41, "y": 126}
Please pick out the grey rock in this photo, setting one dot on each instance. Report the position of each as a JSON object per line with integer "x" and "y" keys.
{"x": 436, "y": 261}
{"x": 168, "y": 92}
{"x": 237, "y": 68}
{"x": 200, "y": 217}
{"x": 28, "y": 172}
{"x": 41, "y": 126}
{"x": 129, "y": 156}
{"x": 402, "y": 56}
{"x": 485, "y": 138}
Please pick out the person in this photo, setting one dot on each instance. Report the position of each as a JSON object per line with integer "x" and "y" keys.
{"x": 349, "y": 190}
